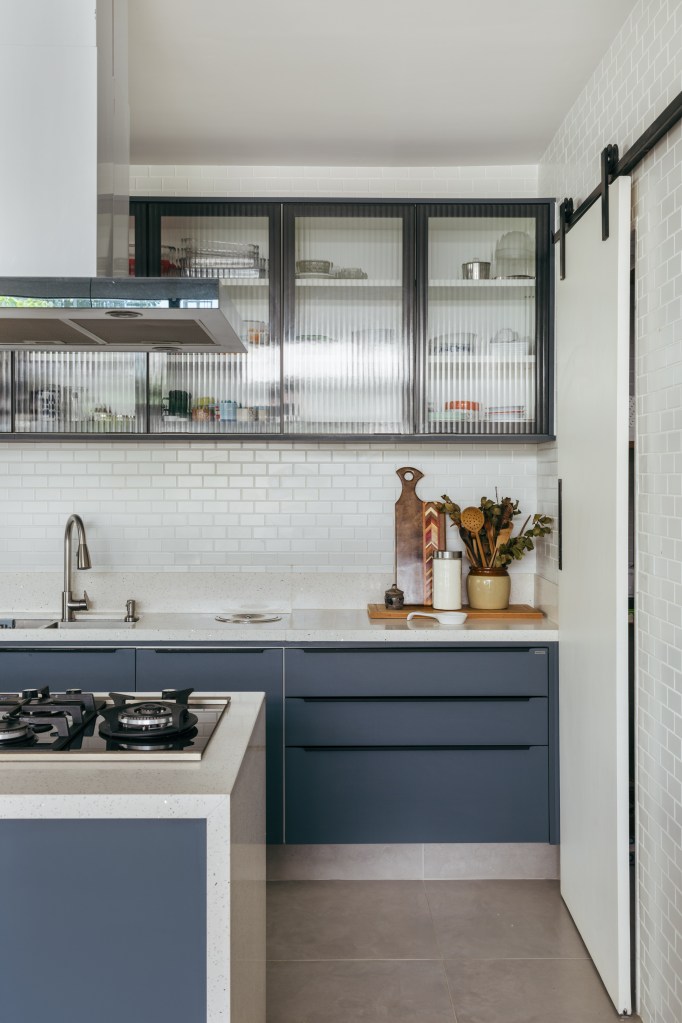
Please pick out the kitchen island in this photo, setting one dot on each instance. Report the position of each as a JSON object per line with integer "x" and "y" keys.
{"x": 135, "y": 891}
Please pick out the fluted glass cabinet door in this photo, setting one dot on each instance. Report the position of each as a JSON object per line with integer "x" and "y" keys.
{"x": 80, "y": 392}
{"x": 220, "y": 393}
{"x": 131, "y": 246}
{"x": 348, "y": 286}
{"x": 483, "y": 342}
{"x": 5, "y": 392}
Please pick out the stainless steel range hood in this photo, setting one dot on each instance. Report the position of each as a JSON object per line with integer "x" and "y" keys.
{"x": 120, "y": 314}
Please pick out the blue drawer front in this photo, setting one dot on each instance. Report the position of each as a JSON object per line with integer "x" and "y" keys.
{"x": 93, "y": 670}
{"x": 417, "y": 795}
{"x": 416, "y": 722}
{"x": 456, "y": 672}
{"x": 253, "y": 670}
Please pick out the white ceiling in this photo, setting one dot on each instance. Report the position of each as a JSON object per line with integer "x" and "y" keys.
{"x": 359, "y": 82}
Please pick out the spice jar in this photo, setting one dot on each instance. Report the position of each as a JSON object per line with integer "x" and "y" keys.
{"x": 447, "y": 580}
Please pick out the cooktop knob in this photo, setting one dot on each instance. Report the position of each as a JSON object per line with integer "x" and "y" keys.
{"x": 73, "y": 692}
{"x": 29, "y": 694}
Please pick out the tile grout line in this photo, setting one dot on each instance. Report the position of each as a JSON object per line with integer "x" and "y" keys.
{"x": 382, "y": 959}
{"x": 452, "y": 959}
{"x": 440, "y": 957}
{"x": 447, "y": 981}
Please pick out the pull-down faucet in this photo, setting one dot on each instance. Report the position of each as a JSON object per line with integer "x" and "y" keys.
{"x": 69, "y": 605}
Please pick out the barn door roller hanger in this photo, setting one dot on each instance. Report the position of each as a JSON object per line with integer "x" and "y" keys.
{"x": 613, "y": 167}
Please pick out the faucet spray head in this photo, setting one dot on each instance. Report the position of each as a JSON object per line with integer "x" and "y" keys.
{"x": 83, "y": 556}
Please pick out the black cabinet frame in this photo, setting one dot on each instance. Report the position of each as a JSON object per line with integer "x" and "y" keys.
{"x": 147, "y": 213}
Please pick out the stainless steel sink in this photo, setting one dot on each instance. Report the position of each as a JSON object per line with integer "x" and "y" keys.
{"x": 93, "y": 623}
{"x": 9, "y": 622}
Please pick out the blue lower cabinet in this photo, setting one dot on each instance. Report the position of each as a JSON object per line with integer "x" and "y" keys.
{"x": 421, "y": 745}
{"x": 91, "y": 670}
{"x": 246, "y": 670}
{"x": 416, "y": 795}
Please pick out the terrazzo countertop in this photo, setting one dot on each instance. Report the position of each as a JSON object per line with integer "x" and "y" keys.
{"x": 322, "y": 626}
{"x": 105, "y": 789}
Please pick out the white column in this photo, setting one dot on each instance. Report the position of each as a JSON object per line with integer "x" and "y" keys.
{"x": 48, "y": 152}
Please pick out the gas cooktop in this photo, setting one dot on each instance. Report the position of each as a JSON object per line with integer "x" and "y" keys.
{"x": 36, "y": 724}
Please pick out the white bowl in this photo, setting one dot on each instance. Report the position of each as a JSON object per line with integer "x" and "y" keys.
{"x": 442, "y": 617}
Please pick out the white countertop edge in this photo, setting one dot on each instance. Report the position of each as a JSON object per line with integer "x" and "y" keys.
{"x": 51, "y": 806}
{"x": 321, "y": 626}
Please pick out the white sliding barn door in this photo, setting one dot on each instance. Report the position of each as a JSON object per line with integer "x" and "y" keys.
{"x": 592, "y": 331}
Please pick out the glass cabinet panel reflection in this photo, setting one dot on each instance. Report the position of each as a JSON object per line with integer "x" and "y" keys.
{"x": 347, "y": 358}
{"x": 80, "y": 392}
{"x": 5, "y": 392}
{"x": 216, "y": 392}
{"x": 478, "y": 358}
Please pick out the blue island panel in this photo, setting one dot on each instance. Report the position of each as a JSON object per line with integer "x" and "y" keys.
{"x": 103, "y": 920}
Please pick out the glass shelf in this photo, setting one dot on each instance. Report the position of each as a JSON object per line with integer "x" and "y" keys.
{"x": 348, "y": 283}
{"x": 526, "y": 282}
{"x": 463, "y": 363}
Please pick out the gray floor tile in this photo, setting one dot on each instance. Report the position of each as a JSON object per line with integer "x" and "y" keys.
{"x": 371, "y": 992}
{"x": 349, "y": 920}
{"x": 502, "y": 919}
{"x": 528, "y": 991}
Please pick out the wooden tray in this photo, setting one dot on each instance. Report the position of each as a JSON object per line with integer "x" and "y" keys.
{"x": 514, "y": 611}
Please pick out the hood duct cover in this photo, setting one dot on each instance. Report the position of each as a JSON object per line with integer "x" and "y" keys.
{"x": 119, "y": 314}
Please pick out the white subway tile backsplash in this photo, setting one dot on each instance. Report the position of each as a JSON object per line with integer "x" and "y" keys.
{"x": 316, "y": 507}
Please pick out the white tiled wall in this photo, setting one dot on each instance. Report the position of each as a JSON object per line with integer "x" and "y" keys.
{"x": 212, "y": 507}
{"x": 294, "y": 509}
{"x": 639, "y": 76}
{"x": 520, "y": 182}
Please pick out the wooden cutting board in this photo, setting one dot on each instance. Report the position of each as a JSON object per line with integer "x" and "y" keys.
{"x": 419, "y": 531}
{"x": 513, "y": 612}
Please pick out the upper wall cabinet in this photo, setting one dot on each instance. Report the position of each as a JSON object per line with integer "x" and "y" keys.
{"x": 384, "y": 319}
{"x": 483, "y": 323}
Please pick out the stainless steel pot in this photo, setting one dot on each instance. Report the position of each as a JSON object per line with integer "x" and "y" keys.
{"x": 476, "y": 270}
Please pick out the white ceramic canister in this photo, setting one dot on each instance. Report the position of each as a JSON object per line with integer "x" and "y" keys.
{"x": 447, "y": 580}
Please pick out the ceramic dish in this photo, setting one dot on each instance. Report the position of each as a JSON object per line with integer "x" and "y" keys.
{"x": 313, "y": 266}
{"x": 315, "y": 338}
{"x": 507, "y": 351}
{"x": 442, "y": 617}
{"x": 457, "y": 342}
{"x": 349, "y": 273}
{"x": 504, "y": 336}
{"x": 514, "y": 245}
{"x": 374, "y": 334}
